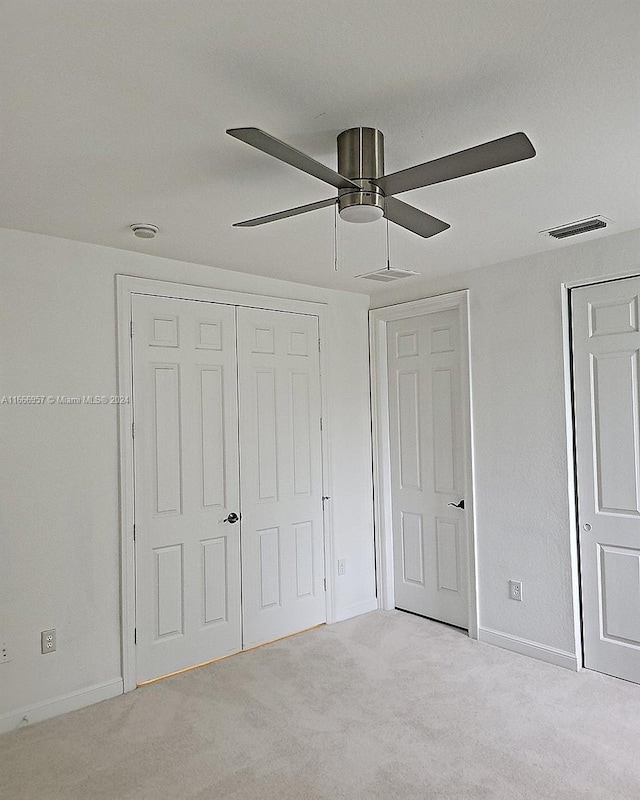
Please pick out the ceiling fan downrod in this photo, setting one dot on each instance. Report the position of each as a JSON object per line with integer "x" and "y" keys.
{"x": 361, "y": 159}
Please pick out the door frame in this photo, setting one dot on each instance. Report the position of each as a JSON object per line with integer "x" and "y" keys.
{"x": 378, "y": 320}
{"x": 126, "y": 286}
{"x": 572, "y": 477}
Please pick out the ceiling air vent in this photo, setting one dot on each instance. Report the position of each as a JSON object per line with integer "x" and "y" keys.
{"x": 581, "y": 226}
{"x": 388, "y": 274}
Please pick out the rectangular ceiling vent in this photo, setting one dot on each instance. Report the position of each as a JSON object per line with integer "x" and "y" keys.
{"x": 581, "y": 226}
{"x": 388, "y": 274}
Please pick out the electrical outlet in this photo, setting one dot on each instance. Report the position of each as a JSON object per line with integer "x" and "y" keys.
{"x": 342, "y": 566}
{"x": 515, "y": 590}
{"x": 48, "y": 641}
{"x": 4, "y": 654}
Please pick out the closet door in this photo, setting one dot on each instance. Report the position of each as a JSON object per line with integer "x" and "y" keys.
{"x": 186, "y": 484}
{"x": 281, "y": 480}
{"x": 606, "y": 370}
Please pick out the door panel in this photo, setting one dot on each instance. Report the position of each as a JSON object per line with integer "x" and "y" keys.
{"x": 427, "y": 466}
{"x": 281, "y": 480}
{"x": 166, "y": 433}
{"x": 606, "y": 353}
{"x": 186, "y": 478}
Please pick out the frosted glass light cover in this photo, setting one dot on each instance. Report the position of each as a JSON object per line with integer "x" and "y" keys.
{"x": 364, "y": 213}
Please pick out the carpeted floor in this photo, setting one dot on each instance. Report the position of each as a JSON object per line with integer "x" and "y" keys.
{"x": 383, "y": 706}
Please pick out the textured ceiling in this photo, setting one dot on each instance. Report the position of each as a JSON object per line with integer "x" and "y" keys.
{"x": 115, "y": 112}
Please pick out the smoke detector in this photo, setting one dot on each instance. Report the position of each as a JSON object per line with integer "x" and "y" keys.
{"x": 388, "y": 274}
{"x": 144, "y": 230}
{"x": 581, "y": 226}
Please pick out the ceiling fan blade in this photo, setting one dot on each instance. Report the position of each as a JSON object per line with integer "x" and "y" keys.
{"x": 499, "y": 152}
{"x": 284, "y": 152}
{"x": 412, "y": 218}
{"x": 290, "y": 212}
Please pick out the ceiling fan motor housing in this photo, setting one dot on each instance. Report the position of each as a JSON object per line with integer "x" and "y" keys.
{"x": 361, "y": 159}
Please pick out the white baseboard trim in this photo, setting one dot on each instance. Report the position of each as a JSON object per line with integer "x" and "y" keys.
{"x": 561, "y": 658}
{"x": 356, "y": 609}
{"x": 60, "y": 705}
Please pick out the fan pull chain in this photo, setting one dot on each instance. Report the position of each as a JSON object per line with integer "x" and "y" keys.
{"x": 335, "y": 237}
{"x": 388, "y": 246}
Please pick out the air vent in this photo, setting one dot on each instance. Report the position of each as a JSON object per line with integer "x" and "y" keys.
{"x": 581, "y": 226}
{"x": 388, "y": 274}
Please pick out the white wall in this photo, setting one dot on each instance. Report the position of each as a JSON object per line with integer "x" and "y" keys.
{"x": 59, "y": 561}
{"x": 523, "y": 504}
{"x": 59, "y": 545}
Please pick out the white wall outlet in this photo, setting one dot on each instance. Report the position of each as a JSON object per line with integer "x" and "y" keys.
{"x": 4, "y": 653}
{"x": 342, "y": 566}
{"x": 515, "y": 590}
{"x": 48, "y": 642}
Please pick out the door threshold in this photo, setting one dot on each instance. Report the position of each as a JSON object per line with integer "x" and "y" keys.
{"x": 433, "y": 619}
{"x": 188, "y": 669}
{"x": 280, "y": 638}
{"x": 227, "y": 655}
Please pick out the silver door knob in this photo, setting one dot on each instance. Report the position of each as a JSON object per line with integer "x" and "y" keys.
{"x": 233, "y": 517}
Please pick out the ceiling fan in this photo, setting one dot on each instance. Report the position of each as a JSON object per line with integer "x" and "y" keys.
{"x": 365, "y": 193}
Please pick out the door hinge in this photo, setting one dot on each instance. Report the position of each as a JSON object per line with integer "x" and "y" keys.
{"x": 133, "y": 430}
{"x": 324, "y": 582}
{"x": 320, "y": 423}
{"x": 135, "y": 636}
{"x": 131, "y": 328}
{"x": 134, "y": 531}
{"x": 319, "y": 345}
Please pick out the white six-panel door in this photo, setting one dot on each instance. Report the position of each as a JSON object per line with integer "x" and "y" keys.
{"x": 186, "y": 484}
{"x": 606, "y": 369}
{"x": 191, "y": 590}
{"x": 281, "y": 480}
{"x": 430, "y": 536}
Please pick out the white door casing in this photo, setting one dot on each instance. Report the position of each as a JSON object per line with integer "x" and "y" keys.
{"x": 606, "y": 374}
{"x": 430, "y": 540}
{"x": 186, "y": 477}
{"x": 281, "y": 479}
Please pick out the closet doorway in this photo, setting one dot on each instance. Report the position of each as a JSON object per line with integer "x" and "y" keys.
{"x": 226, "y": 477}
{"x": 605, "y": 360}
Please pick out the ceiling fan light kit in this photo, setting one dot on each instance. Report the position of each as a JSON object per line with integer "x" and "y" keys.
{"x": 361, "y": 159}
{"x": 365, "y": 193}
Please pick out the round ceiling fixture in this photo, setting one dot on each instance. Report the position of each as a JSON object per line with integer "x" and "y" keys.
{"x": 144, "y": 231}
{"x": 365, "y": 206}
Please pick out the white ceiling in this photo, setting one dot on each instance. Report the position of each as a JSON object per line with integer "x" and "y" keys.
{"x": 114, "y": 112}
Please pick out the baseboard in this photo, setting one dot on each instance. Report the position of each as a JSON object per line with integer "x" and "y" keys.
{"x": 60, "y": 705}
{"x": 561, "y": 658}
{"x": 357, "y": 609}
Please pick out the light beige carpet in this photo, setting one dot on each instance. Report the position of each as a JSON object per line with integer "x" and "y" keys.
{"x": 383, "y": 706}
